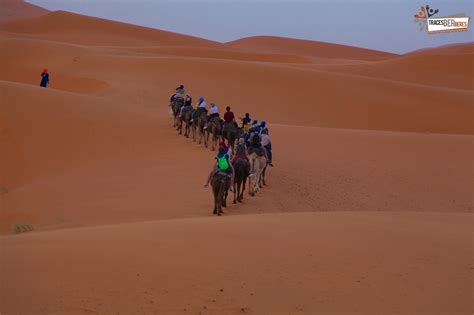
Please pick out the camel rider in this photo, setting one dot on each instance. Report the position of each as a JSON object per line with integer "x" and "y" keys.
{"x": 246, "y": 121}
{"x": 223, "y": 165}
{"x": 241, "y": 151}
{"x": 256, "y": 145}
{"x": 229, "y": 116}
{"x": 214, "y": 111}
{"x": 201, "y": 108}
{"x": 226, "y": 148}
{"x": 267, "y": 144}
{"x": 179, "y": 92}
{"x": 188, "y": 105}
{"x": 253, "y": 129}
{"x": 263, "y": 127}
{"x": 180, "y": 89}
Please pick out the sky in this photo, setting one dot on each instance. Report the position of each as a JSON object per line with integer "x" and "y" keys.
{"x": 386, "y": 25}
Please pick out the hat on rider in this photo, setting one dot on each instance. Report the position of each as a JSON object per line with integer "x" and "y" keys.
{"x": 45, "y": 70}
{"x": 263, "y": 123}
{"x": 227, "y": 108}
{"x": 255, "y": 122}
{"x": 247, "y": 115}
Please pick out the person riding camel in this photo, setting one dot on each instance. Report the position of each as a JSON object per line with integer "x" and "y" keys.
{"x": 201, "y": 107}
{"x": 246, "y": 121}
{"x": 214, "y": 111}
{"x": 44, "y": 78}
{"x": 256, "y": 145}
{"x": 267, "y": 144}
{"x": 253, "y": 129}
{"x": 179, "y": 92}
{"x": 229, "y": 116}
{"x": 263, "y": 127}
{"x": 241, "y": 151}
{"x": 222, "y": 164}
{"x": 226, "y": 148}
{"x": 188, "y": 105}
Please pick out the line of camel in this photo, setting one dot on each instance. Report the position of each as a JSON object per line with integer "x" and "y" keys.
{"x": 251, "y": 167}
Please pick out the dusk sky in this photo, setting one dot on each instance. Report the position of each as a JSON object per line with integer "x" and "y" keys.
{"x": 378, "y": 24}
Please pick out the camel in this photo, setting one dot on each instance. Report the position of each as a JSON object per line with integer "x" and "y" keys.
{"x": 241, "y": 168}
{"x": 198, "y": 128}
{"x": 220, "y": 185}
{"x": 201, "y": 123}
{"x": 230, "y": 133}
{"x": 176, "y": 105}
{"x": 187, "y": 116}
{"x": 214, "y": 129}
{"x": 257, "y": 165}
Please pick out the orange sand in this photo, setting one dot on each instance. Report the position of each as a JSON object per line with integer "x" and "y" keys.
{"x": 367, "y": 211}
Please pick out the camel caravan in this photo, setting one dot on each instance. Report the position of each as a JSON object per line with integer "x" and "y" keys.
{"x": 244, "y": 152}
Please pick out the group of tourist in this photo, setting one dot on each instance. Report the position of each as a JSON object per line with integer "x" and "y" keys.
{"x": 253, "y": 136}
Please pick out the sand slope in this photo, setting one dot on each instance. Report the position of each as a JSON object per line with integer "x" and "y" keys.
{"x": 436, "y": 67}
{"x": 307, "y": 48}
{"x": 19, "y": 9}
{"x": 321, "y": 263}
{"x": 70, "y": 27}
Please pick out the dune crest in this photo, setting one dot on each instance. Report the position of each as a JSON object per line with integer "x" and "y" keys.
{"x": 71, "y": 27}
{"x": 19, "y": 9}
{"x": 303, "y": 47}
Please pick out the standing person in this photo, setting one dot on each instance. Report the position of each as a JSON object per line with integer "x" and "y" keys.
{"x": 44, "y": 78}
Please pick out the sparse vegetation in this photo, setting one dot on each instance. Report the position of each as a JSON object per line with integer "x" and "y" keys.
{"x": 22, "y": 228}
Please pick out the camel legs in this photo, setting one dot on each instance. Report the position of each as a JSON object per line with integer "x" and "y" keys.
{"x": 236, "y": 191}
{"x": 241, "y": 192}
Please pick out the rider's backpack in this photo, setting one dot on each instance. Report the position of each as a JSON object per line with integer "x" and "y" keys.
{"x": 222, "y": 163}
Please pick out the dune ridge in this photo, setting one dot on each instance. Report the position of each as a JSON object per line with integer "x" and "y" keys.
{"x": 70, "y": 27}
{"x": 307, "y": 48}
{"x": 19, "y": 9}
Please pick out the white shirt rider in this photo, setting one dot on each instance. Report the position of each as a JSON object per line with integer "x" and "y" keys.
{"x": 214, "y": 109}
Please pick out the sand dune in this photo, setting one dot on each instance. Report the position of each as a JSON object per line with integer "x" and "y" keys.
{"x": 461, "y": 48}
{"x": 70, "y": 27}
{"x": 19, "y": 9}
{"x": 320, "y": 263}
{"x": 219, "y": 53}
{"x": 336, "y": 100}
{"x": 421, "y": 68}
{"x": 368, "y": 208}
{"x": 284, "y": 45}
{"x": 99, "y": 160}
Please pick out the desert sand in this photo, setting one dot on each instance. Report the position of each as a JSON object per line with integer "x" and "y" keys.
{"x": 368, "y": 209}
